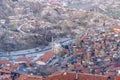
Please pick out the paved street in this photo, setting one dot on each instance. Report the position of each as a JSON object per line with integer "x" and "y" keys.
{"x": 35, "y": 52}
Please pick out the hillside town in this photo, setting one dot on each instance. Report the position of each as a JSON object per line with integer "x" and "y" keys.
{"x": 95, "y": 54}
{"x": 29, "y": 24}
{"x": 59, "y": 40}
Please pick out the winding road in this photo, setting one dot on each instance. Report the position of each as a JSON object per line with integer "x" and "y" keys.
{"x": 33, "y": 52}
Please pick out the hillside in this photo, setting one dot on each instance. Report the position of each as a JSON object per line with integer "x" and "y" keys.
{"x": 25, "y": 24}
{"x": 108, "y": 7}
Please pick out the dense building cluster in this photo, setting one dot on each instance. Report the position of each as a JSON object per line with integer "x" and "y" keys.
{"x": 95, "y": 55}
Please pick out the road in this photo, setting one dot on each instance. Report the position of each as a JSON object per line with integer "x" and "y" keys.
{"x": 33, "y": 52}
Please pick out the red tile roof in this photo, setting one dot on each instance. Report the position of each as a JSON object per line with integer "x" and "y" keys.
{"x": 24, "y": 59}
{"x": 29, "y": 77}
{"x": 4, "y": 71}
{"x": 117, "y": 78}
{"x": 117, "y": 26}
{"x": 79, "y": 51}
{"x": 5, "y": 77}
{"x": 46, "y": 56}
{"x": 77, "y": 76}
{"x": 61, "y": 76}
{"x": 82, "y": 76}
{"x": 4, "y": 61}
{"x": 14, "y": 66}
